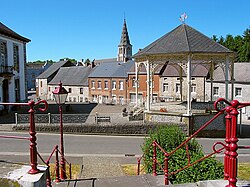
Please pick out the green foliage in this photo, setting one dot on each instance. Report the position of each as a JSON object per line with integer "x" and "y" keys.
{"x": 68, "y": 59}
{"x": 170, "y": 137}
{"x": 238, "y": 44}
{"x": 8, "y": 183}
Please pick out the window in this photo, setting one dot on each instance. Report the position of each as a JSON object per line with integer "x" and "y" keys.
{"x": 121, "y": 85}
{"x": 193, "y": 88}
{"x": 16, "y": 57}
{"x": 69, "y": 90}
{"x": 49, "y": 88}
{"x": 238, "y": 92}
{"x": 133, "y": 82}
{"x": 81, "y": 90}
{"x": 70, "y": 99}
{"x": 41, "y": 83}
{"x": 93, "y": 84}
{"x": 33, "y": 76}
{"x": 216, "y": 90}
{"x": 165, "y": 87}
{"x": 17, "y": 90}
{"x": 99, "y": 84}
{"x": 165, "y": 78}
{"x": 81, "y": 99}
{"x": 106, "y": 85}
{"x": 178, "y": 88}
{"x": 3, "y": 53}
{"x": 113, "y": 85}
{"x": 178, "y": 78}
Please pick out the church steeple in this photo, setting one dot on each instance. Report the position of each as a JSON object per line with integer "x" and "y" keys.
{"x": 124, "y": 48}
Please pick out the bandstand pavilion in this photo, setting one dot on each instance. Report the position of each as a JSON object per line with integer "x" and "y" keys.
{"x": 184, "y": 48}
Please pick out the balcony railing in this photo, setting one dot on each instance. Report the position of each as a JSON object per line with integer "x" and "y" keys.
{"x": 6, "y": 69}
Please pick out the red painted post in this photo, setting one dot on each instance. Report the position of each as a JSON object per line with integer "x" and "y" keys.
{"x": 233, "y": 145}
{"x": 48, "y": 179}
{"x": 62, "y": 162}
{"x": 57, "y": 166}
{"x": 70, "y": 173}
{"x": 33, "y": 149}
{"x": 154, "y": 160}
{"x": 138, "y": 166}
{"x": 227, "y": 140}
{"x": 166, "y": 169}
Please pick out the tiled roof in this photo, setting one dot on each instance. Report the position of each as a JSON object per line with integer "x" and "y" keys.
{"x": 74, "y": 76}
{"x": 8, "y": 32}
{"x": 183, "y": 39}
{"x": 53, "y": 69}
{"x": 111, "y": 69}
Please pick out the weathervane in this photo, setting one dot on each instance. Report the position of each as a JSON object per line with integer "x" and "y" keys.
{"x": 183, "y": 17}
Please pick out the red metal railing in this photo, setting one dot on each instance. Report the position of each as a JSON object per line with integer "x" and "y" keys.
{"x": 32, "y": 138}
{"x": 47, "y": 162}
{"x": 230, "y": 146}
{"x": 33, "y": 145}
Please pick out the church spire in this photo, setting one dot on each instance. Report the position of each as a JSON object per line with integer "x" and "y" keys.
{"x": 124, "y": 48}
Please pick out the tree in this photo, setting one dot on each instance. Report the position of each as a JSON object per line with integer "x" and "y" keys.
{"x": 238, "y": 44}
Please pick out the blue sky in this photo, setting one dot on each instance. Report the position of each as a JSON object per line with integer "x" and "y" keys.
{"x": 83, "y": 29}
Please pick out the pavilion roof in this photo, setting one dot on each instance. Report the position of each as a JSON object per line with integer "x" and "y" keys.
{"x": 183, "y": 39}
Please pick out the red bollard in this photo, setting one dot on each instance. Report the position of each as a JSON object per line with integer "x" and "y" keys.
{"x": 233, "y": 145}
{"x": 166, "y": 169}
{"x": 138, "y": 166}
{"x": 227, "y": 140}
{"x": 154, "y": 160}
{"x": 57, "y": 166}
{"x": 33, "y": 150}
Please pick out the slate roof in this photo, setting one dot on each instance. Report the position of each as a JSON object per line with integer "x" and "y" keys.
{"x": 241, "y": 73}
{"x": 8, "y": 32}
{"x": 124, "y": 37}
{"x": 72, "y": 76}
{"x": 183, "y": 39}
{"x": 111, "y": 70}
{"x": 53, "y": 69}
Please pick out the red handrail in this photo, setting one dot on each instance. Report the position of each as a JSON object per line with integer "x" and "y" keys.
{"x": 230, "y": 158}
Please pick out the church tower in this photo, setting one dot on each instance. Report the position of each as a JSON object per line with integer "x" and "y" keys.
{"x": 124, "y": 48}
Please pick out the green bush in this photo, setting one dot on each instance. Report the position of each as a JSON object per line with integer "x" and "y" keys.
{"x": 169, "y": 137}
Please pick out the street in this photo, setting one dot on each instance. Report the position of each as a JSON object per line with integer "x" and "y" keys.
{"x": 95, "y": 145}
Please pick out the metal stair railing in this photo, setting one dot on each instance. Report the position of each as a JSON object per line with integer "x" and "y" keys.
{"x": 230, "y": 145}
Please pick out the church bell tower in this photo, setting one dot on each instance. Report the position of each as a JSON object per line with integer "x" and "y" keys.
{"x": 124, "y": 48}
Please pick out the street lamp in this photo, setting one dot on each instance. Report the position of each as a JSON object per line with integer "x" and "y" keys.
{"x": 60, "y": 94}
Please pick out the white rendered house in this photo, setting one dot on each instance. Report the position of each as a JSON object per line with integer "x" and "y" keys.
{"x": 12, "y": 65}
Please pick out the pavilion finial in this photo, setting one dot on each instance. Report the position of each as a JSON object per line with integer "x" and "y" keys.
{"x": 183, "y": 17}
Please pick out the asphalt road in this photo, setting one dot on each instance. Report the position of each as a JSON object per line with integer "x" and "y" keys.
{"x": 87, "y": 145}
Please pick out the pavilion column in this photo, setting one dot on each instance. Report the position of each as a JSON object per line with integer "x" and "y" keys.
{"x": 232, "y": 80}
{"x": 226, "y": 77}
{"x": 189, "y": 85}
{"x": 181, "y": 81}
{"x": 148, "y": 86}
{"x": 136, "y": 84}
{"x": 212, "y": 80}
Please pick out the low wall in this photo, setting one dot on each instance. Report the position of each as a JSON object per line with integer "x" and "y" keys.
{"x": 192, "y": 123}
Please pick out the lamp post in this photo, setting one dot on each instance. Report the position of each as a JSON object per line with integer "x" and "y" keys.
{"x": 60, "y": 94}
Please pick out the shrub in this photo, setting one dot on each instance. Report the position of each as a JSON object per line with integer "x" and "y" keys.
{"x": 169, "y": 137}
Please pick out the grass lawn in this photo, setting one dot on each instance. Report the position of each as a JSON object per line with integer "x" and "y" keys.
{"x": 244, "y": 171}
{"x": 75, "y": 171}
